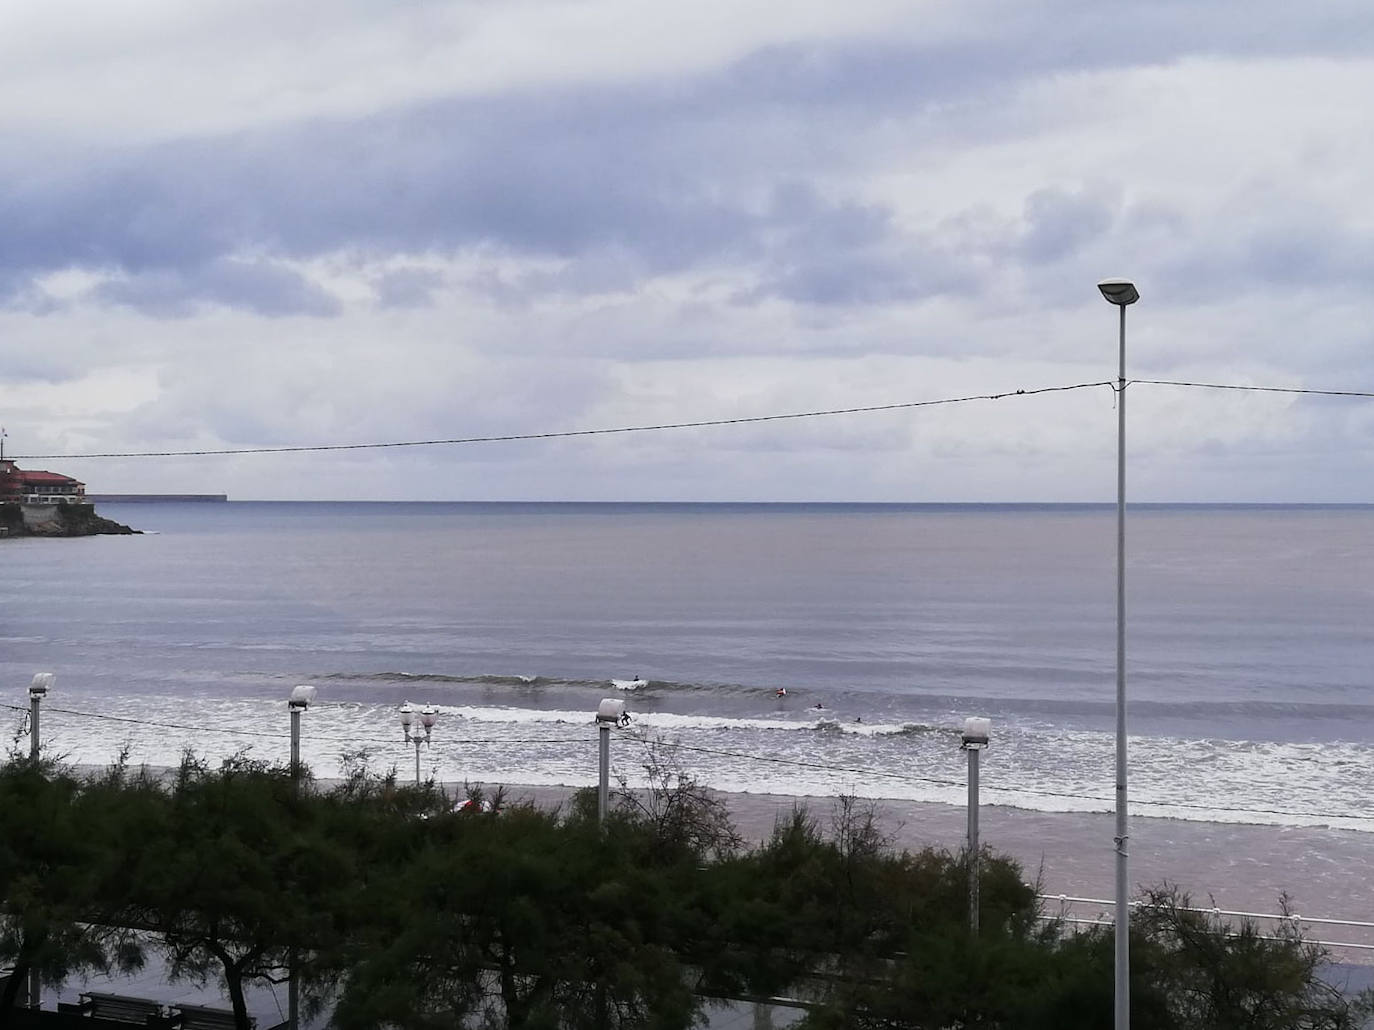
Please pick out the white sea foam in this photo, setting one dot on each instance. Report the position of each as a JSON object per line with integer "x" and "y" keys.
{"x": 1041, "y": 768}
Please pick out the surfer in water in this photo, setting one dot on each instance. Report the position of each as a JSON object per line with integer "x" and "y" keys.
{"x": 780, "y": 692}
{"x": 818, "y": 707}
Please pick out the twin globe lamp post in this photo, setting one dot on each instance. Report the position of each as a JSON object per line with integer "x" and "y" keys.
{"x": 428, "y": 716}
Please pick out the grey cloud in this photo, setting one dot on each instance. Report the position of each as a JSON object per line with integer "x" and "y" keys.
{"x": 260, "y": 287}
{"x": 873, "y": 278}
{"x": 18, "y": 293}
{"x": 407, "y": 288}
{"x": 1295, "y": 253}
{"x": 1310, "y": 255}
{"x": 23, "y": 363}
{"x": 1059, "y": 223}
{"x": 652, "y": 168}
{"x": 643, "y": 179}
{"x": 1013, "y": 43}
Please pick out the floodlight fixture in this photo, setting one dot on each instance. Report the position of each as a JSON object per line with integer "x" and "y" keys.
{"x": 976, "y": 731}
{"x": 1119, "y": 291}
{"x": 610, "y": 711}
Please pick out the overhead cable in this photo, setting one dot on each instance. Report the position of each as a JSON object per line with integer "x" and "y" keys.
{"x": 696, "y": 424}
{"x": 1255, "y": 389}
{"x": 657, "y": 427}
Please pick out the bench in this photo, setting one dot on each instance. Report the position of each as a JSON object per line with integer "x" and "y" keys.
{"x": 201, "y": 1017}
{"x": 121, "y": 1008}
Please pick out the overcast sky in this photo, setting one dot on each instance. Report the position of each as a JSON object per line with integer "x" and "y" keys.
{"x": 252, "y": 223}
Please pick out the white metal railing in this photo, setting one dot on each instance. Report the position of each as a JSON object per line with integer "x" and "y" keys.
{"x": 1066, "y": 900}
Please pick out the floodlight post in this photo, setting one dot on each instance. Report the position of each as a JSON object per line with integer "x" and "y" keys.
{"x": 1122, "y": 293}
{"x": 38, "y": 689}
{"x": 42, "y": 681}
{"x": 299, "y": 701}
{"x": 608, "y": 714}
{"x": 975, "y": 738}
{"x": 603, "y": 788}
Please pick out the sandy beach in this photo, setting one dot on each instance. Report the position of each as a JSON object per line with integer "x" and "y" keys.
{"x": 1326, "y": 873}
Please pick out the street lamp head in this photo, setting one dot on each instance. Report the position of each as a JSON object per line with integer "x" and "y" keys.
{"x": 407, "y": 714}
{"x": 1119, "y": 291}
{"x": 428, "y": 716}
{"x": 42, "y": 681}
{"x": 301, "y": 697}
{"x": 976, "y": 731}
{"x": 610, "y": 711}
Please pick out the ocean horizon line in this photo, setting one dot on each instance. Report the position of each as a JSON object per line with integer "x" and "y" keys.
{"x": 850, "y": 505}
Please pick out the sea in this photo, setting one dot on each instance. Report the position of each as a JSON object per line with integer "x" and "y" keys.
{"x": 802, "y": 649}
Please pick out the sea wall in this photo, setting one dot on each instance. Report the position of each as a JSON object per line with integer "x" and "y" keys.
{"x": 56, "y": 520}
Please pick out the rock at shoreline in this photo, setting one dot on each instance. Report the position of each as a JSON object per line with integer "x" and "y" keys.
{"x": 56, "y": 520}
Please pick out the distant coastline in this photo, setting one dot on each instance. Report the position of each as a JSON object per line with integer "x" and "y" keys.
{"x": 152, "y": 498}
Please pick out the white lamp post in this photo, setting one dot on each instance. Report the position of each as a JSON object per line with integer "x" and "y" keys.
{"x": 428, "y": 716}
{"x": 301, "y": 697}
{"x": 1122, "y": 293}
{"x": 975, "y": 738}
{"x": 611, "y": 712}
{"x": 38, "y": 689}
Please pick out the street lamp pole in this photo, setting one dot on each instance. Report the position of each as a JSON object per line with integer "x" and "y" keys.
{"x": 300, "y": 699}
{"x": 1122, "y": 293}
{"x": 975, "y": 738}
{"x": 609, "y": 713}
{"x": 301, "y": 696}
{"x": 42, "y": 681}
{"x": 38, "y": 689}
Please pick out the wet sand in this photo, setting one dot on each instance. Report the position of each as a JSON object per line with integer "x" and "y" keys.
{"x": 1326, "y": 873}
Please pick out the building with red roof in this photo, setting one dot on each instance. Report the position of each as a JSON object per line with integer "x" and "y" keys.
{"x": 25, "y": 487}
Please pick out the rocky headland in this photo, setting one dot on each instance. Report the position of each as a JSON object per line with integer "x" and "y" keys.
{"x": 56, "y": 520}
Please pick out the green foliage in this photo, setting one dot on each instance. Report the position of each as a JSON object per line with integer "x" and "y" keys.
{"x": 521, "y": 920}
{"x": 679, "y": 818}
{"x": 227, "y": 869}
{"x": 405, "y": 912}
{"x": 1195, "y": 969}
{"x": 49, "y": 862}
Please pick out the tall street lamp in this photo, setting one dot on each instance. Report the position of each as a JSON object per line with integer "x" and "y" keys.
{"x": 428, "y": 716}
{"x": 1122, "y": 293}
